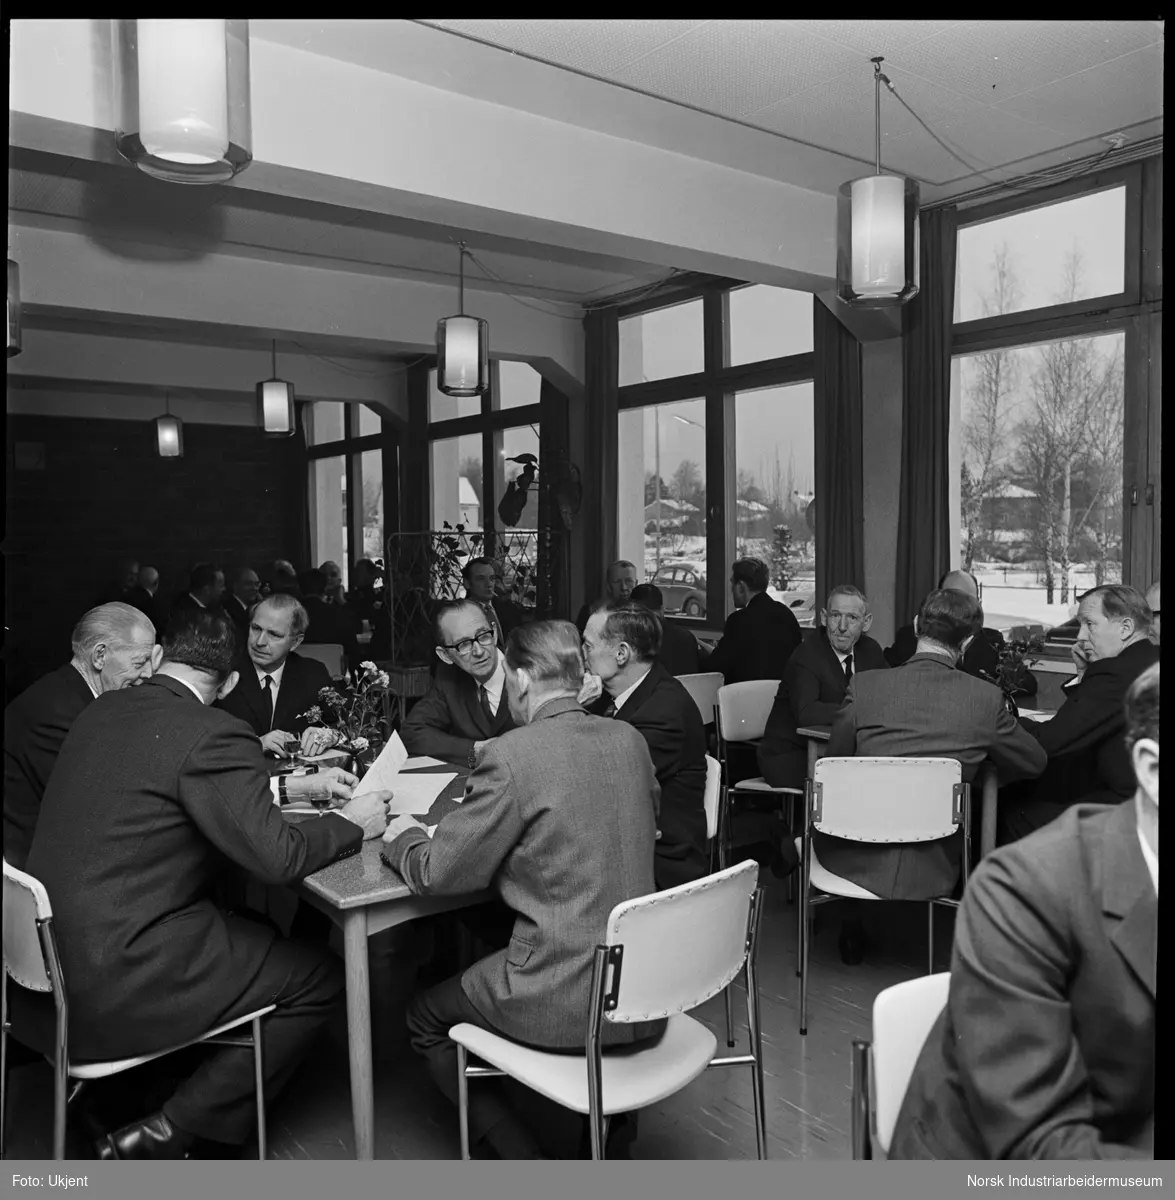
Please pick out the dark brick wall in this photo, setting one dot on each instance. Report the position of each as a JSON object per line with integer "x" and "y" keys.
{"x": 104, "y": 493}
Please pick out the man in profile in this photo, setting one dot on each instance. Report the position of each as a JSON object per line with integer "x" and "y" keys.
{"x": 760, "y": 635}
{"x": 205, "y": 590}
{"x": 619, "y": 580}
{"x": 559, "y": 819}
{"x": 1046, "y": 1048}
{"x": 679, "y": 653}
{"x": 113, "y": 647}
{"x": 1152, "y": 599}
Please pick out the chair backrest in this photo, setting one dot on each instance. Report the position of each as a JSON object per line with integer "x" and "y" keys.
{"x": 703, "y": 690}
{"x": 681, "y": 946}
{"x": 902, "y": 1018}
{"x": 330, "y": 654}
{"x": 713, "y": 791}
{"x": 888, "y": 799}
{"x": 25, "y": 903}
{"x": 743, "y": 709}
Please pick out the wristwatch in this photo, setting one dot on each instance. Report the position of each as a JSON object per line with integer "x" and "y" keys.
{"x": 283, "y": 795}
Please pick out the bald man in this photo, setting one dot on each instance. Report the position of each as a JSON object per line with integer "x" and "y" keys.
{"x": 982, "y": 658}
{"x": 1152, "y": 598}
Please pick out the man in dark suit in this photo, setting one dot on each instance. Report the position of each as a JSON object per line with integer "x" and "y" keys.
{"x": 330, "y": 624}
{"x": 679, "y": 653}
{"x": 205, "y": 590}
{"x": 466, "y": 705}
{"x": 1046, "y": 1049}
{"x": 151, "y": 788}
{"x": 113, "y": 647}
{"x": 760, "y": 635}
{"x": 559, "y": 817}
{"x": 126, "y": 575}
{"x": 276, "y": 685}
{"x": 481, "y": 578}
{"x": 619, "y": 580}
{"x": 1086, "y": 756}
{"x": 240, "y": 598}
{"x": 983, "y": 655}
{"x": 144, "y": 597}
{"x": 372, "y": 604}
{"x": 620, "y": 647}
{"x": 814, "y": 684}
{"x": 925, "y": 709}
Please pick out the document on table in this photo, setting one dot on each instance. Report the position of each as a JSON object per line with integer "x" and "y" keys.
{"x": 383, "y": 773}
{"x": 414, "y": 794}
{"x": 422, "y": 760}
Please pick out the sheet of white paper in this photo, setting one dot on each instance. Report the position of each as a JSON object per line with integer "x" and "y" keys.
{"x": 327, "y": 756}
{"x": 421, "y": 760}
{"x": 381, "y": 775}
{"x": 416, "y": 793}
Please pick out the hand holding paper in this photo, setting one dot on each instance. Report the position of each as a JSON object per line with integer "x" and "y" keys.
{"x": 382, "y": 774}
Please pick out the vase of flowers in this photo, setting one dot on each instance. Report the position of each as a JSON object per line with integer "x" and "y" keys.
{"x": 354, "y": 715}
{"x": 1016, "y": 658}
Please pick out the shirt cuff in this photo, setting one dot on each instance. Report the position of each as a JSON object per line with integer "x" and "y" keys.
{"x": 273, "y": 791}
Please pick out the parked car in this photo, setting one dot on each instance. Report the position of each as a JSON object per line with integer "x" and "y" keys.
{"x": 683, "y": 588}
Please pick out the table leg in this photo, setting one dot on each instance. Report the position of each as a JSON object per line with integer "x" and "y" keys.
{"x": 991, "y": 791}
{"x": 813, "y": 746}
{"x": 359, "y": 1031}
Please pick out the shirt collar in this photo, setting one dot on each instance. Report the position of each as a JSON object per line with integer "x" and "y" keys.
{"x": 624, "y": 695}
{"x": 277, "y": 675}
{"x": 496, "y": 682}
{"x": 86, "y": 678}
{"x": 188, "y": 686}
{"x": 1152, "y": 860}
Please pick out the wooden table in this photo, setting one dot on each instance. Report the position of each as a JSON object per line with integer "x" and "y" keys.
{"x": 364, "y": 897}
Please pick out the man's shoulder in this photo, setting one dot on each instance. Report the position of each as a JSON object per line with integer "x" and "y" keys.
{"x": 1123, "y": 668}
{"x": 305, "y": 668}
{"x": 63, "y": 686}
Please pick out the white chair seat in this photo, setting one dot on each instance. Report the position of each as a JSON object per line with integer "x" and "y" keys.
{"x": 632, "y": 1080}
{"x": 81, "y": 1069}
{"x": 759, "y": 784}
{"x": 834, "y": 885}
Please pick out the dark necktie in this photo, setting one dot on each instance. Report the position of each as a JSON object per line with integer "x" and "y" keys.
{"x": 848, "y": 670}
{"x": 267, "y": 702}
{"x": 610, "y": 711}
{"x": 486, "y": 707}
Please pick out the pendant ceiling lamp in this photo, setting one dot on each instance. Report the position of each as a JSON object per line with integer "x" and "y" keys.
{"x": 13, "y": 338}
{"x": 170, "y": 432}
{"x": 181, "y": 97}
{"x": 877, "y": 230}
{"x": 275, "y": 404}
{"x": 463, "y": 347}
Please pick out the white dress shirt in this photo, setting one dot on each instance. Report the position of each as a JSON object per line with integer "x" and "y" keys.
{"x": 1152, "y": 860}
{"x": 624, "y": 695}
{"x": 197, "y": 601}
{"x": 495, "y": 684}
{"x": 276, "y": 676}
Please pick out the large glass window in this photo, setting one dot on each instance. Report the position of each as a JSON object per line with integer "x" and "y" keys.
{"x": 768, "y": 322}
{"x": 510, "y": 445}
{"x": 323, "y": 421}
{"x": 370, "y": 483}
{"x": 518, "y": 384}
{"x": 445, "y": 408}
{"x": 661, "y": 344}
{"x": 457, "y": 484}
{"x": 328, "y": 509}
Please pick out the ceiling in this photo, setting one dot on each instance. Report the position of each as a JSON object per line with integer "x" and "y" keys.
{"x": 1007, "y": 96}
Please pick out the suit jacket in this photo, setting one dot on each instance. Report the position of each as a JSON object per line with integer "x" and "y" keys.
{"x": 238, "y": 611}
{"x": 679, "y": 653}
{"x": 663, "y": 713}
{"x": 558, "y": 818}
{"x": 446, "y": 721}
{"x": 981, "y": 660}
{"x": 332, "y": 623}
{"x": 757, "y": 641}
{"x": 151, "y": 792}
{"x": 301, "y": 682}
{"x": 149, "y": 606}
{"x": 922, "y": 709}
{"x": 1084, "y": 740}
{"x": 1046, "y": 1049}
{"x": 810, "y": 693}
{"x": 35, "y": 726}
{"x": 505, "y": 615}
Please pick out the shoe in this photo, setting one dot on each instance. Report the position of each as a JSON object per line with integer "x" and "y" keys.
{"x": 153, "y": 1137}
{"x": 784, "y": 859}
{"x": 851, "y": 943}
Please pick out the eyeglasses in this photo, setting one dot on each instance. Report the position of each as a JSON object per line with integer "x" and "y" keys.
{"x": 464, "y": 647}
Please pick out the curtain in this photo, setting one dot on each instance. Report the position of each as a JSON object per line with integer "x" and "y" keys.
{"x": 296, "y": 534}
{"x": 601, "y": 379}
{"x": 924, "y": 521}
{"x": 554, "y": 590}
{"x": 840, "y": 511}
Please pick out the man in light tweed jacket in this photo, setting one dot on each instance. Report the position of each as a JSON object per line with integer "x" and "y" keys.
{"x": 560, "y": 819}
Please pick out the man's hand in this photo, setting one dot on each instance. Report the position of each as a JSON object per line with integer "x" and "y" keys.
{"x": 593, "y": 689}
{"x": 275, "y": 742}
{"x": 1081, "y": 657}
{"x": 333, "y": 784}
{"x": 397, "y": 825}
{"x": 316, "y": 739}
{"x": 478, "y": 747}
{"x": 369, "y": 812}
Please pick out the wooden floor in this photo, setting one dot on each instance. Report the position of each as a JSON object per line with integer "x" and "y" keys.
{"x": 807, "y": 1078}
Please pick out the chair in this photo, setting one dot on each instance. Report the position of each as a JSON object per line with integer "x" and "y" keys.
{"x": 664, "y": 954}
{"x": 703, "y": 690}
{"x": 31, "y": 958}
{"x": 903, "y": 1017}
{"x": 710, "y": 802}
{"x": 330, "y": 654}
{"x": 883, "y": 801}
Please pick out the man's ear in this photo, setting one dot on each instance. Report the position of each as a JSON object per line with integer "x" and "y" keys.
{"x": 916, "y": 634}
{"x": 297, "y": 641}
{"x": 867, "y": 622}
{"x": 228, "y": 685}
{"x": 156, "y": 658}
{"x": 1144, "y": 757}
{"x": 443, "y": 655}
{"x": 98, "y": 656}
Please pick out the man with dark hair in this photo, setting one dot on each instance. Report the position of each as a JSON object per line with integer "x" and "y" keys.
{"x": 558, "y": 817}
{"x": 152, "y": 787}
{"x": 371, "y": 603}
{"x": 205, "y": 589}
{"x": 983, "y": 655}
{"x": 466, "y": 706}
{"x": 619, "y": 580}
{"x": 143, "y": 597}
{"x": 925, "y": 709}
{"x": 679, "y": 653}
{"x": 1086, "y": 757}
{"x": 330, "y": 624}
{"x": 620, "y": 647}
{"x": 760, "y": 635}
{"x": 481, "y": 576}
{"x": 1046, "y": 1048}
{"x": 113, "y": 647}
{"x": 239, "y": 600}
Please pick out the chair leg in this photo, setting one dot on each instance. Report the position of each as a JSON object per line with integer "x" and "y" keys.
{"x": 3, "y": 1082}
{"x": 800, "y": 919}
{"x": 599, "y": 1126}
{"x": 930, "y": 938}
{"x": 60, "y": 1085}
{"x": 728, "y": 1004}
{"x": 805, "y": 939}
{"x": 756, "y": 1039}
{"x": 259, "y": 1084}
{"x": 463, "y": 1100}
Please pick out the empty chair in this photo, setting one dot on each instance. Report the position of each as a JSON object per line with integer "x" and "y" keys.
{"x": 663, "y": 955}
{"x": 877, "y": 800}
{"x": 330, "y": 654}
{"x": 703, "y": 690}
{"x": 903, "y": 1017}
{"x": 30, "y": 957}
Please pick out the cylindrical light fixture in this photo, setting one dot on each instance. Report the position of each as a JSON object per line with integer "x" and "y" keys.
{"x": 275, "y": 404}
{"x": 181, "y": 97}
{"x": 13, "y": 338}
{"x": 169, "y": 431}
{"x": 463, "y": 347}
{"x": 877, "y": 230}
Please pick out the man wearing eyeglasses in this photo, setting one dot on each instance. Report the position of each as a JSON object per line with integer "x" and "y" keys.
{"x": 465, "y": 707}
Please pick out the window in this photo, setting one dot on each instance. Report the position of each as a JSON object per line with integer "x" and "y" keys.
{"x": 510, "y": 444}
{"x": 369, "y": 420}
{"x": 445, "y": 408}
{"x": 457, "y": 482}
{"x": 518, "y": 384}
{"x": 768, "y": 322}
{"x": 370, "y": 483}
{"x": 662, "y": 343}
{"x": 324, "y": 422}
{"x": 328, "y": 510}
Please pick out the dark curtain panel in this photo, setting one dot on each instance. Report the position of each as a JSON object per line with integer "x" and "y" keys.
{"x": 554, "y": 566}
{"x": 601, "y": 376}
{"x": 415, "y": 461}
{"x": 840, "y": 513}
{"x": 924, "y": 521}
{"x": 296, "y": 535}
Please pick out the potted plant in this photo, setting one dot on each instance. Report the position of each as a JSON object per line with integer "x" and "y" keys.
{"x": 354, "y": 716}
{"x": 1016, "y": 658}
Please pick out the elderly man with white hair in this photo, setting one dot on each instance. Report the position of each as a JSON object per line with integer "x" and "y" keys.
{"x": 113, "y": 647}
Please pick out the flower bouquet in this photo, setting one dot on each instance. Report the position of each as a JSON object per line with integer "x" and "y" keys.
{"x": 354, "y": 717}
